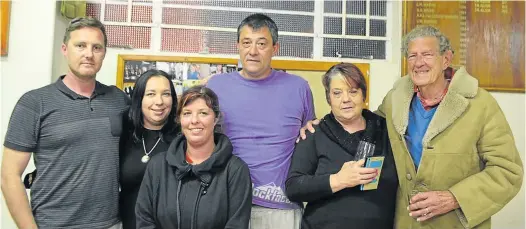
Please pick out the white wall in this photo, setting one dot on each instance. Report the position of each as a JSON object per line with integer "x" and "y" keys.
{"x": 36, "y": 35}
{"x": 60, "y": 65}
{"x": 28, "y": 64}
{"x": 383, "y": 75}
{"x": 513, "y": 106}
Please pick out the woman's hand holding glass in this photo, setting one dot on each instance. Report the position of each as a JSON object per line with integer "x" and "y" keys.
{"x": 352, "y": 174}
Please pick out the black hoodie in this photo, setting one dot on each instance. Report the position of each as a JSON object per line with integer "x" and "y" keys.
{"x": 214, "y": 194}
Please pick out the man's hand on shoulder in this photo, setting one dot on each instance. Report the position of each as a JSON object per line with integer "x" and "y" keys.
{"x": 205, "y": 80}
{"x": 310, "y": 127}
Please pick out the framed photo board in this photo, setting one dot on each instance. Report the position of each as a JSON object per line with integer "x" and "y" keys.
{"x": 189, "y": 71}
{"x": 183, "y": 74}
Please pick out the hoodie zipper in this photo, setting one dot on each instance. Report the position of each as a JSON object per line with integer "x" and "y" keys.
{"x": 177, "y": 192}
{"x": 201, "y": 192}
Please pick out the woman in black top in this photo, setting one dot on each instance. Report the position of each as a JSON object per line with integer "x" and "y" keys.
{"x": 198, "y": 183}
{"x": 324, "y": 172}
{"x": 151, "y": 128}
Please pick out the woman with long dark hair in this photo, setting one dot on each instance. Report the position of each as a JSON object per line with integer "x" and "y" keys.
{"x": 151, "y": 127}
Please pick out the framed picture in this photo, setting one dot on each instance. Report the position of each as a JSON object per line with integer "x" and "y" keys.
{"x": 186, "y": 72}
{"x": 5, "y": 9}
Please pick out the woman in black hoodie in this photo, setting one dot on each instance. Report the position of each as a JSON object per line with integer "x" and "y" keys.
{"x": 197, "y": 183}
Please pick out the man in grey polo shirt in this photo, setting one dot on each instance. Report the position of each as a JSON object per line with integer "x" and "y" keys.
{"x": 72, "y": 126}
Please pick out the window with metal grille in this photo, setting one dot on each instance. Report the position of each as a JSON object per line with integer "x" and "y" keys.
{"x": 308, "y": 29}
{"x": 355, "y": 29}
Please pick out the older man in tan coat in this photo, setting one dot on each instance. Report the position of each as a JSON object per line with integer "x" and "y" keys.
{"x": 455, "y": 155}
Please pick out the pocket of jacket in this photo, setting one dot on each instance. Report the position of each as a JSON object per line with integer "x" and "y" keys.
{"x": 449, "y": 220}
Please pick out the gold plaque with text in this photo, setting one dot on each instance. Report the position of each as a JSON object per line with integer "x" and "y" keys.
{"x": 487, "y": 37}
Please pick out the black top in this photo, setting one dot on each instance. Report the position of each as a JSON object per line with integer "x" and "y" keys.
{"x": 132, "y": 170}
{"x": 215, "y": 194}
{"x": 322, "y": 154}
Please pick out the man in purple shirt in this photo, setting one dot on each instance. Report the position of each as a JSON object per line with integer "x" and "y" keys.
{"x": 263, "y": 112}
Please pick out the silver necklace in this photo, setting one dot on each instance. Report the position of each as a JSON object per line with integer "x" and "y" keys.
{"x": 146, "y": 156}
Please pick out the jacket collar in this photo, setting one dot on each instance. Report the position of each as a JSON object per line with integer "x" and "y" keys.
{"x": 462, "y": 88}
{"x": 176, "y": 157}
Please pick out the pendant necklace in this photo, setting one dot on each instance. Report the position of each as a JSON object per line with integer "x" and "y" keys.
{"x": 146, "y": 156}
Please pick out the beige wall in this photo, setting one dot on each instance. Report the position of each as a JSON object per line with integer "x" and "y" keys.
{"x": 318, "y": 92}
{"x": 34, "y": 61}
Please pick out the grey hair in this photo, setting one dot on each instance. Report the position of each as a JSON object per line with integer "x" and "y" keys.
{"x": 426, "y": 31}
{"x": 83, "y": 22}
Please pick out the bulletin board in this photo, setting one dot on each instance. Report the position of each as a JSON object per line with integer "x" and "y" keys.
{"x": 487, "y": 37}
{"x": 188, "y": 71}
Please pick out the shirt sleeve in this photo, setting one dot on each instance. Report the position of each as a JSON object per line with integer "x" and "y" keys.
{"x": 303, "y": 185}
{"x": 308, "y": 105}
{"x": 483, "y": 194}
{"x": 24, "y": 125}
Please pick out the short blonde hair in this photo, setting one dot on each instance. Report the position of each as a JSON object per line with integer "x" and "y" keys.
{"x": 82, "y": 22}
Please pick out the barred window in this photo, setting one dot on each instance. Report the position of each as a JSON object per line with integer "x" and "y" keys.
{"x": 308, "y": 29}
{"x": 355, "y": 29}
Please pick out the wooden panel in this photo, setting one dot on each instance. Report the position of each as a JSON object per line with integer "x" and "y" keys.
{"x": 5, "y": 8}
{"x": 487, "y": 37}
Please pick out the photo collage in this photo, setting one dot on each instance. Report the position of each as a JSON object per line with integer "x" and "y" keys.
{"x": 183, "y": 75}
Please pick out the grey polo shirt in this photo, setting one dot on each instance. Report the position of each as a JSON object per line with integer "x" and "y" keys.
{"x": 75, "y": 141}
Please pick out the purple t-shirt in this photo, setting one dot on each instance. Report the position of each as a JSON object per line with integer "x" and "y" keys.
{"x": 262, "y": 118}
